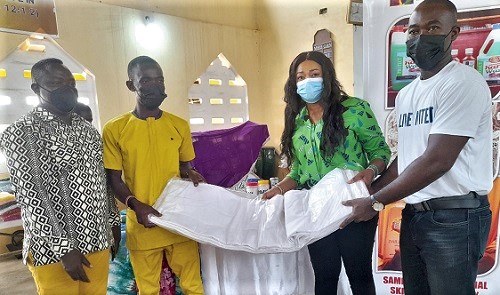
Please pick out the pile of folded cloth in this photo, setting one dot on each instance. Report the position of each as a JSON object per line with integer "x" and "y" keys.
{"x": 9, "y": 208}
{"x": 238, "y": 221}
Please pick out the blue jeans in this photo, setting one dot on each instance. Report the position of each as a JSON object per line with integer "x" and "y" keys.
{"x": 440, "y": 249}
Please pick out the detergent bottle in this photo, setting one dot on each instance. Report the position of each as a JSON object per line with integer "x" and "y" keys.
{"x": 403, "y": 69}
{"x": 488, "y": 60}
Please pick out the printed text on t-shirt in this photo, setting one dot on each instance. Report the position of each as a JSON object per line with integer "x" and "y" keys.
{"x": 422, "y": 116}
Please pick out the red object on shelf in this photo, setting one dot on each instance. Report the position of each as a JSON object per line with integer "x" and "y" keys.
{"x": 10, "y": 215}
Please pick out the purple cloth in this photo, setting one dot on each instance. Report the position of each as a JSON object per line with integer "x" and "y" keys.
{"x": 225, "y": 156}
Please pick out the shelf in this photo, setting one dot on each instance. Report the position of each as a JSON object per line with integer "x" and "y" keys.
{"x": 10, "y": 224}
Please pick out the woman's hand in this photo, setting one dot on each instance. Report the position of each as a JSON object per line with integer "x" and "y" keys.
{"x": 367, "y": 176}
{"x": 271, "y": 193}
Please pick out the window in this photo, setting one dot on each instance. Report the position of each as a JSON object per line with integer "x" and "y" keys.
{"x": 218, "y": 98}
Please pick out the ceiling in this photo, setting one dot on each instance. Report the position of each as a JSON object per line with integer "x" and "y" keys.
{"x": 236, "y": 13}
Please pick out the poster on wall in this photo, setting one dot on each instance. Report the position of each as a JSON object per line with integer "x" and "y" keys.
{"x": 478, "y": 46}
{"x": 28, "y": 16}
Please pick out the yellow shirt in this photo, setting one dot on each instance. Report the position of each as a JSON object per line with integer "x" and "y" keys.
{"x": 148, "y": 153}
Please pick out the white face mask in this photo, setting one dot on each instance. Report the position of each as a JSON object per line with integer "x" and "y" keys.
{"x": 310, "y": 89}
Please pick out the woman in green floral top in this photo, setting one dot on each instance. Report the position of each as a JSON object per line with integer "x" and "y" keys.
{"x": 327, "y": 129}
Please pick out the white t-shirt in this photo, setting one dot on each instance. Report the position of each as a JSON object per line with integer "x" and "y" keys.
{"x": 455, "y": 101}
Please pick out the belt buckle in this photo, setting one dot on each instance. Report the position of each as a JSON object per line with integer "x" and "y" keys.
{"x": 422, "y": 206}
{"x": 427, "y": 206}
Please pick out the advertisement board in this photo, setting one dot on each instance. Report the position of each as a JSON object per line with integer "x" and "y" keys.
{"x": 386, "y": 70}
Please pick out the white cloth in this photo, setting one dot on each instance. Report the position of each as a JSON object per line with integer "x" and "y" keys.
{"x": 228, "y": 272}
{"x": 456, "y": 101}
{"x": 232, "y": 220}
{"x": 220, "y": 218}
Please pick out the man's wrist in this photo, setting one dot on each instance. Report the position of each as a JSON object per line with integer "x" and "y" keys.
{"x": 185, "y": 174}
{"x": 131, "y": 202}
{"x": 376, "y": 204}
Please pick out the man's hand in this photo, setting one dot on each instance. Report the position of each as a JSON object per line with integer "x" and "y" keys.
{"x": 142, "y": 211}
{"x": 361, "y": 211}
{"x": 195, "y": 177}
{"x": 73, "y": 262}
{"x": 117, "y": 236}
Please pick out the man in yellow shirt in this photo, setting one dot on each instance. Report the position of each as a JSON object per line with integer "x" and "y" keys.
{"x": 149, "y": 147}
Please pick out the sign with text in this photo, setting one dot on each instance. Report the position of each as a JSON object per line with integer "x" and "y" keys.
{"x": 386, "y": 70}
{"x": 323, "y": 43}
{"x": 28, "y": 16}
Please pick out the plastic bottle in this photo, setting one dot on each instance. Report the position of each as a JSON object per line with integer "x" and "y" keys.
{"x": 488, "y": 60}
{"x": 263, "y": 186}
{"x": 454, "y": 55}
{"x": 389, "y": 229}
{"x": 252, "y": 188}
{"x": 403, "y": 69}
{"x": 469, "y": 59}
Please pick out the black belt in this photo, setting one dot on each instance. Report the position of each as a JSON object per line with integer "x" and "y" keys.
{"x": 469, "y": 201}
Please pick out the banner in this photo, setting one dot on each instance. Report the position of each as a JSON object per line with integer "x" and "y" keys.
{"x": 384, "y": 50}
{"x": 28, "y": 16}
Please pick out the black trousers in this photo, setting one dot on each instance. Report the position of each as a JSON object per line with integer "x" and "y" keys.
{"x": 353, "y": 245}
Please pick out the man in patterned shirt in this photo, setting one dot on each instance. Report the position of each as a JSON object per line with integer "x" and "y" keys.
{"x": 56, "y": 167}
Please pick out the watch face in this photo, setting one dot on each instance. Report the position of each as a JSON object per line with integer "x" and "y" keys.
{"x": 377, "y": 206}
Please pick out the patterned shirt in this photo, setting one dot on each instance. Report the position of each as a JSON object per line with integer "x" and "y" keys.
{"x": 58, "y": 174}
{"x": 364, "y": 143}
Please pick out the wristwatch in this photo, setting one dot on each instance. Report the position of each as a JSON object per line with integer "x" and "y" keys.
{"x": 376, "y": 205}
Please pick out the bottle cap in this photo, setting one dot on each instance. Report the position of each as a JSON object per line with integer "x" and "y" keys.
{"x": 454, "y": 52}
{"x": 469, "y": 50}
{"x": 399, "y": 28}
{"x": 263, "y": 181}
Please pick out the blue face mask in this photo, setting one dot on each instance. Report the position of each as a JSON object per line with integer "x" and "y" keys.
{"x": 310, "y": 89}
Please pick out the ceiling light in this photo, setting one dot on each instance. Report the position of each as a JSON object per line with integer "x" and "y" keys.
{"x": 148, "y": 33}
{"x": 32, "y": 100}
{"x": 5, "y": 100}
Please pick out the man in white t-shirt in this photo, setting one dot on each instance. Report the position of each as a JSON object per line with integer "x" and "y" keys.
{"x": 443, "y": 169}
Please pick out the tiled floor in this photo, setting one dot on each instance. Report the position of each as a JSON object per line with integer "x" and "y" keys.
{"x": 15, "y": 278}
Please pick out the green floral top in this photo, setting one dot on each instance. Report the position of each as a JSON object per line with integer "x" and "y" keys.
{"x": 364, "y": 143}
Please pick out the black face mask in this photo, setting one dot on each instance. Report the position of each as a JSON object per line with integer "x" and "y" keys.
{"x": 427, "y": 50}
{"x": 63, "y": 98}
{"x": 151, "y": 96}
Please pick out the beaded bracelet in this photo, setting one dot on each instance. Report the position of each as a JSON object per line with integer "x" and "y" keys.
{"x": 373, "y": 168}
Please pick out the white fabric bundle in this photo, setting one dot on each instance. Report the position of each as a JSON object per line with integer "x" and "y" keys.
{"x": 239, "y": 221}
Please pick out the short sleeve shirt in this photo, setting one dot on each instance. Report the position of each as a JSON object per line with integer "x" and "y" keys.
{"x": 456, "y": 101}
